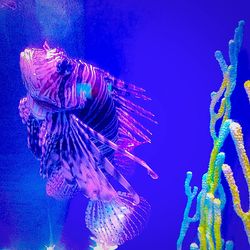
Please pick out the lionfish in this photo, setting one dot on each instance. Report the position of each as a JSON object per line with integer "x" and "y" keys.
{"x": 81, "y": 127}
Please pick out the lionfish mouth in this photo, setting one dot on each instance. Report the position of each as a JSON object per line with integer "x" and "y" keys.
{"x": 26, "y": 61}
{"x": 28, "y": 70}
{"x": 37, "y": 65}
{"x": 27, "y": 54}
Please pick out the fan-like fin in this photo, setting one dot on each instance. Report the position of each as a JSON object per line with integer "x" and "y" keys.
{"x": 69, "y": 162}
{"x": 104, "y": 162}
{"x": 114, "y": 222}
{"x": 114, "y": 146}
{"x": 131, "y": 132}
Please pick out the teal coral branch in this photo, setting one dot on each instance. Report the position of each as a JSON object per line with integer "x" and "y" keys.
{"x": 229, "y": 245}
{"x": 220, "y": 159}
{"x": 191, "y": 195}
{"x": 219, "y": 57}
{"x": 212, "y": 177}
{"x": 229, "y": 81}
{"x": 187, "y": 220}
{"x": 194, "y": 246}
{"x": 222, "y": 195}
{"x": 211, "y": 199}
{"x": 209, "y": 235}
{"x": 227, "y": 87}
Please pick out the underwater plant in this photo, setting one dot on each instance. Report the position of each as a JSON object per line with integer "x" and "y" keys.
{"x": 211, "y": 199}
{"x": 82, "y": 129}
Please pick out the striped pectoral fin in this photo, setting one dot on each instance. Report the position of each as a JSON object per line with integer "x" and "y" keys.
{"x": 121, "y": 179}
{"x": 112, "y": 171}
{"x": 69, "y": 164}
{"x": 85, "y": 169}
{"x": 93, "y": 182}
{"x": 127, "y": 111}
{"x": 102, "y": 161}
{"x": 120, "y": 90}
{"x": 112, "y": 145}
{"x": 132, "y": 126}
{"x": 77, "y": 173}
{"x": 133, "y": 108}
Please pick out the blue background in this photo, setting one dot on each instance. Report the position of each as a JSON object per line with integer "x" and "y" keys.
{"x": 166, "y": 47}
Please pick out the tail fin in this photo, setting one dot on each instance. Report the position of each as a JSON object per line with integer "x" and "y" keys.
{"x": 114, "y": 222}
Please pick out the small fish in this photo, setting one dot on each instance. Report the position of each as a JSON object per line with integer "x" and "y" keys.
{"x": 81, "y": 127}
{"x": 9, "y": 4}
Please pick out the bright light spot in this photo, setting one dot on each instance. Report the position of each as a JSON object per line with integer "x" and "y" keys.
{"x": 84, "y": 90}
{"x": 50, "y": 247}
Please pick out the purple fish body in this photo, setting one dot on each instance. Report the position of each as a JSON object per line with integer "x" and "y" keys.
{"x": 81, "y": 127}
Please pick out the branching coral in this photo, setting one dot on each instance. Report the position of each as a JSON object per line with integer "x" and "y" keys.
{"x": 187, "y": 220}
{"x": 211, "y": 199}
{"x": 237, "y": 136}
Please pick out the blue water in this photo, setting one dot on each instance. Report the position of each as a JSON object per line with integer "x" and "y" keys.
{"x": 165, "y": 47}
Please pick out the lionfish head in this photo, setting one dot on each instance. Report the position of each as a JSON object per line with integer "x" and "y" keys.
{"x": 43, "y": 70}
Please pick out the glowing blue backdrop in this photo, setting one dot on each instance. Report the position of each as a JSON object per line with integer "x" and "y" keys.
{"x": 166, "y": 47}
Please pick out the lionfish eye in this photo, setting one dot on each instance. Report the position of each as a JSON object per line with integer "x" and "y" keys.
{"x": 64, "y": 67}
